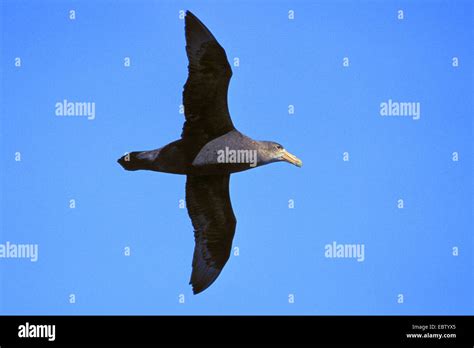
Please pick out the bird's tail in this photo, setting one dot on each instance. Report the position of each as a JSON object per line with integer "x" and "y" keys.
{"x": 138, "y": 160}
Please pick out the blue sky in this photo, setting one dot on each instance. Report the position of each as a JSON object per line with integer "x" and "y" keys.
{"x": 283, "y": 62}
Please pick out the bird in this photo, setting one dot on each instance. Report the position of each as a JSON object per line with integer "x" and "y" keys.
{"x": 209, "y": 151}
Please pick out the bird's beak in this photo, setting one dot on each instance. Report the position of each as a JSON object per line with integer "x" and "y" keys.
{"x": 286, "y": 156}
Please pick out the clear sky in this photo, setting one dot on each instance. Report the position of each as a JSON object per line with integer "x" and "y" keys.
{"x": 418, "y": 252}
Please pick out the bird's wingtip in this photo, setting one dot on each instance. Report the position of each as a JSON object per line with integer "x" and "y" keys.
{"x": 196, "y": 288}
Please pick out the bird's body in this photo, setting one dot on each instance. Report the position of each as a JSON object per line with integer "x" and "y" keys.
{"x": 230, "y": 153}
{"x": 210, "y": 149}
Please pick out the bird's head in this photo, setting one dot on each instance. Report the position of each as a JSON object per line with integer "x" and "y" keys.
{"x": 270, "y": 151}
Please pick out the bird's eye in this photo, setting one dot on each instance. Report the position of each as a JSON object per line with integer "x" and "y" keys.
{"x": 279, "y": 147}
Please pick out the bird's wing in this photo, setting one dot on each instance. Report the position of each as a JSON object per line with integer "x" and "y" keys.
{"x": 210, "y": 210}
{"x": 205, "y": 91}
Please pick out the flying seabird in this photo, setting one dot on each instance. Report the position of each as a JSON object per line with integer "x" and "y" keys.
{"x": 210, "y": 149}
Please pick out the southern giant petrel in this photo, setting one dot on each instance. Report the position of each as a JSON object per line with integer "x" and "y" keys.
{"x": 210, "y": 149}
